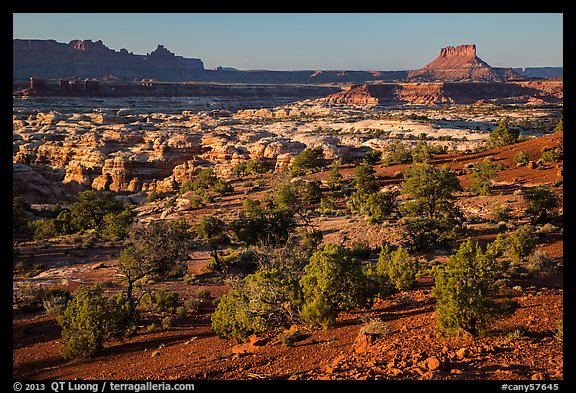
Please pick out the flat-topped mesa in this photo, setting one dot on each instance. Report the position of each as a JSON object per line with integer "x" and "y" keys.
{"x": 460, "y": 50}
{"x": 461, "y": 63}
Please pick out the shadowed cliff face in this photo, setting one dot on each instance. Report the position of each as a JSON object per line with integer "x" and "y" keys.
{"x": 88, "y": 59}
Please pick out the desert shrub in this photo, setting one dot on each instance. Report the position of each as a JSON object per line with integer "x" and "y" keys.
{"x": 308, "y": 161}
{"x": 372, "y": 157}
{"x": 503, "y": 135}
{"x": 62, "y": 224}
{"x": 542, "y": 204}
{"x": 192, "y": 304}
{"x": 421, "y": 233}
{"x": 91, "y": 207}
{"x": 159, "y": 249}
{"x": 90, "y": 320}
{"x": 204, "y": 294}
{"x": 423, "y": 152}
{"x": 334, "y": 181}
{"x": 29, "y": 297}
{"x": 547, "y": 228}
{"x": 365, "y": 179}
{"x": 312, "y": 192}
{"x": 560, "y": 125}
{"x": 191, "y": 279}
{"x": 483, "y": 173}
{"x": 396, "y": 152}
{"x": 521, "y": 158}
{"x": 466, "y": 290}
{"x": 20, "y": 214}
{"x": 332, "y": 281}
{"x": 521, "y": 243}
{"x": 377, "y": 205}
{"x": 55, "y": 301}
{"x": 310, "y": 239}
{"x": 117, "y": 226}
{"x": 375, "y": 326}
{"x": 161, "y": 300}
{"x": 540, "y": 261}
{"x": 265, "y": 301}
{"x": 398, "y": 267}
{"x": 259, "y": 222}
{"x": 319, "y": 312}
{"x": 430, "y": 189}
{"x": 288, "y": 197}
{"x": 501, "y": 213}
{"x": 221, "y": 187}
{"x": 211, "y": 229}
{"x": 168, "y": 321}
{"x": 551, "y": 155}
{"x": 360, "y": 249}
{"x": 248, "y": 167}
{"x": 327, "y": 204}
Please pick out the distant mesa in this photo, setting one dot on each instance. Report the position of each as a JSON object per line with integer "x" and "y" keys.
{"x": 87, "y": 59}
{"x": 460, "y": 63}
{"x": 81, "y": 59}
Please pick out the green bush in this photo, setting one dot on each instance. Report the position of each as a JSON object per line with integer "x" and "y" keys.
{"x": 521, "y": 243}
{"x": 266, "y": 301}
{"x": 334, "y": 181}
{"x": 312, "y": 192}
{"x": 372, "y": 157}
{"x": 333, "y": 281}
{"x": 117, "y": 226}
{"x": 542, "y": 204}
{"x": 91, "y": 207}
{"x": 90, "y": 320}
{"x": 377, "y": 205}
{"x": 398, "y": 267}
{"x": 423, "y": 152}
{"x": 503, "y": 135}
{"x": 550, "y": 155}
{"x": 483, "y": 173}
{"x": 365, "y": 179}
{"x": 161, "y": 300}
{"x": 396, "y": 152}
{"x": 431, "y": 190}
{"x": 521, "y": 158}
{"x": 309, "y": 161}
{"x": 466, "y": 291}
{"x": 501, "y": 213}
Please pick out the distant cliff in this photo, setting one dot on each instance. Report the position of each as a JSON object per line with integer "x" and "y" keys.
{"x": 85, "y": 59}
{"x": 81, "y": 59}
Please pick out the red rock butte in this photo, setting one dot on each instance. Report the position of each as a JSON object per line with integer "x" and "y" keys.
{"x": 461, "y": 63}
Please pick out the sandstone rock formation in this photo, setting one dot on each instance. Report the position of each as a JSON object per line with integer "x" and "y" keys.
{"x": 456, "y": 63}
{"x": 434, "y": 93}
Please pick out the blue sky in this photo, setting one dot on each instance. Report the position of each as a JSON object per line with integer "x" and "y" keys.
{"x": 313, "y": 41}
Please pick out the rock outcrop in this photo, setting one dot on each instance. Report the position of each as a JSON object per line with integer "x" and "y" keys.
{"x": 434, "y": 93}
{"x": 458, "y": 63}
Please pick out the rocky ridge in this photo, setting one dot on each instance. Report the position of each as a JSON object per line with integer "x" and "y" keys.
{"x": 437, "y": 93}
